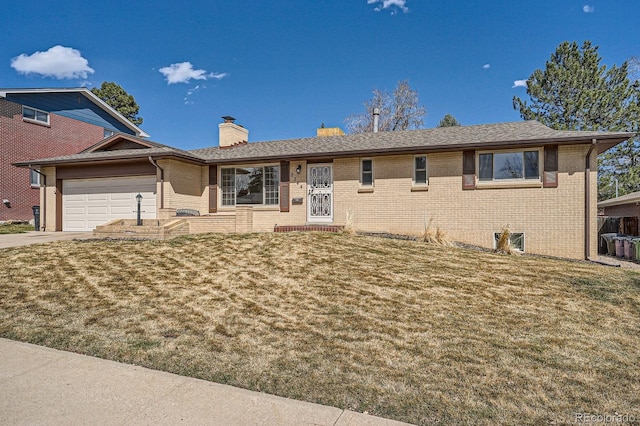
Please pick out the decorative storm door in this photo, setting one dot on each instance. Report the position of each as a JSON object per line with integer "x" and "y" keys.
{"x": 320, "y": 193}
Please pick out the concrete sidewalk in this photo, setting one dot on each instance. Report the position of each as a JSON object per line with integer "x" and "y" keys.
{"x": 37, "y": 237}
{"x": 40, "y": 385}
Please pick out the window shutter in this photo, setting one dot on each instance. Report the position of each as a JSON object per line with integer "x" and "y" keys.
{"x": 468, "y": 170}
{"x": 213, "y": 189}
{"x": 550, "y": 175}
{"x": 284, "y": 186}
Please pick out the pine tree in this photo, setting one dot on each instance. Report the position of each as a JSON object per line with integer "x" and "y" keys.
{"x": 117, "y": 98}
{"x": 576, "y": 92}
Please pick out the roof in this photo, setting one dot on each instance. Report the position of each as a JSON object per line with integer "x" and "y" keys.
{"x": 89, "y": 95}
{"x": 631, "y": 198}
{"x": 426, "y": 140}
{"x": 486, "y": 136}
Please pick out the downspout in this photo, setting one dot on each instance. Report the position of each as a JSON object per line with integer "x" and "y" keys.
{"x": 43, "y": 225}
{"x": 161, "y": 181}
{"x": 587, "y": 201}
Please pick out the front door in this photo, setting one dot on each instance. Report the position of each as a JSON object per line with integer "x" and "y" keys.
{"x": 320, "y": 193}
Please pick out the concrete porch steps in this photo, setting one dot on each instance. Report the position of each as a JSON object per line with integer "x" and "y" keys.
{"x": 151, "y": 229}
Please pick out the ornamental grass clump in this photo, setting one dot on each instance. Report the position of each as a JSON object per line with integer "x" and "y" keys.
{"x": 348, "y": 223}
{"x": 434, "y": 235}
{"x": 503, "y": 245}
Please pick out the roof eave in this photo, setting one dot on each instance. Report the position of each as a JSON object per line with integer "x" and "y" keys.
{"x": 123, "y": 158}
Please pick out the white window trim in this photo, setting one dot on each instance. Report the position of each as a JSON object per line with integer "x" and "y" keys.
{"x": 262, "y": 206}
{"x": 373, "y": 181}
{"x": 31, "y": 120}
{"x": 510, "y": 183}
{"x": 426, "y": 170}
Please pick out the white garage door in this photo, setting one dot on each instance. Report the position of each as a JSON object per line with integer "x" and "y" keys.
{"x": 87, "y": 203}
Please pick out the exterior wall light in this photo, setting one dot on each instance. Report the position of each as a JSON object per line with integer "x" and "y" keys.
{"x": 298, "y": 169}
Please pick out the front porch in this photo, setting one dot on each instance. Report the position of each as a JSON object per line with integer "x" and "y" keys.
{"x": 169, "y": 225}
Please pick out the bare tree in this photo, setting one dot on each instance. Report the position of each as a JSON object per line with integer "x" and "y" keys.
{"x": 399, "y": 110}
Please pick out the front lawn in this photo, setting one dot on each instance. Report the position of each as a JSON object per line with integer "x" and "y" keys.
{"x": 399, "y": 329}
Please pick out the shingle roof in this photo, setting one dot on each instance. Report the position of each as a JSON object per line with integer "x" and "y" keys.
{"x": 428, "y": 140}
{"x": 436, "y": 139}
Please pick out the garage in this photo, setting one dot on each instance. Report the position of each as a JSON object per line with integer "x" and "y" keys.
{"x": 87, "y": 203}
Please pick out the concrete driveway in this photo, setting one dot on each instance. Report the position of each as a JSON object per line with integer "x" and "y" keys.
{"x": 36, "y": 237}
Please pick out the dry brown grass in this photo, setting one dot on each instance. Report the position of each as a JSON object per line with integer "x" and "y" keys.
{"x": 401, "y": 329}
{"x": 13, "y": 228}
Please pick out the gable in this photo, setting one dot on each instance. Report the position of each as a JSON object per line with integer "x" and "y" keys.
{"x": 70, "y": 105}
{"x": 119, "y": 143}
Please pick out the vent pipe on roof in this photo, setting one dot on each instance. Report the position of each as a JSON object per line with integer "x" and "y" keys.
{"x": 376, "y": 116}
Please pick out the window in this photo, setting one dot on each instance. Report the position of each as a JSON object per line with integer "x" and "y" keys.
{"x": 420, "y": 170}
{"x": 366, "y": 167}
{"x": 34, "y": 177}
{"x": 251, "y": 186}
{"x": 509, "y": 165}
{"x": 106, "y": 133}
{"x": 33, "y": 114}
{"x": 516, "y": 240}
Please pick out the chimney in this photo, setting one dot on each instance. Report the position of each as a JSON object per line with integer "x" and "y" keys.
{"x": 231, "y": 134}
{"x": 329, "y": 131}
{"x": 376, "y": 117}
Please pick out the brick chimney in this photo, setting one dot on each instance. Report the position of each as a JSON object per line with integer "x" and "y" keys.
{"x": 329, "y": 131}
{"x": 231, "y": 134}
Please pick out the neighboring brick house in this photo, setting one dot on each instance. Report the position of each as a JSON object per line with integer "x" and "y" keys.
{"x": 471, "y": 181}
{"x": 36, "y": 123}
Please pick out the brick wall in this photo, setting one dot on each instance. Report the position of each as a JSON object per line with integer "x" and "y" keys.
{"x": 185, "y": 185}
{"x": 21, "y": 141}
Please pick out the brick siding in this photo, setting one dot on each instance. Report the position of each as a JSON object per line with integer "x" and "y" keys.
{"x": 21, "y": 141}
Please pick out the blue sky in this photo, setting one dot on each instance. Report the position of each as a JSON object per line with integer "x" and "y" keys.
{"x": 283, "y": 67}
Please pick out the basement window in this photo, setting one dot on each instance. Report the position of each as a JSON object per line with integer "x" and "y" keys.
{"x": 516, "y": 240}
{"x": 250, "y": 186}
{"x": 35, "y": 115}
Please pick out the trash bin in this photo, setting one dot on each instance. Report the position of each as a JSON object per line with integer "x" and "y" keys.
{"x": 609, "y": 245}
{"x": 36, "y": 217}
{"x": 619, "y": 246}
{"x": 628, "y": 254}
{"x": 635, "y": 249}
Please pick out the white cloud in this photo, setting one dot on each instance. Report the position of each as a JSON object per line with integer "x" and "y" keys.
{"x": 59, "y": 62}
{"x": 588, "y": 9}
{"x": 519, "y": 83}
{"x": 183, "y": 72}
{"x": 394, "y": 5}
{"x": 486, "y": 66}
{"x": 191, "y": 92}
